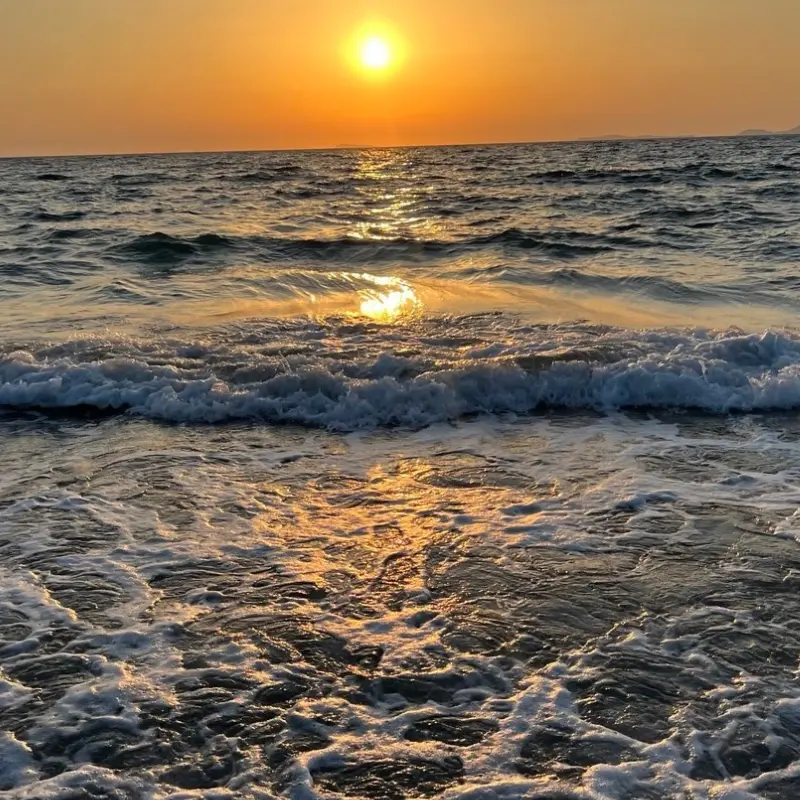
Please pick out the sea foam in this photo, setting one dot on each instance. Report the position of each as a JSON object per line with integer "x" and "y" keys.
{"x": 352, "y": 376}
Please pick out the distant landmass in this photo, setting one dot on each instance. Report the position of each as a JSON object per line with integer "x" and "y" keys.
{"x": 615, "y": 137}
{"x": 760, "y": 132}
{"x": 612, "y": 137}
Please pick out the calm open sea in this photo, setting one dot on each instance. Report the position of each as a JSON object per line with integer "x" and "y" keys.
{"x": 466, "y": 472}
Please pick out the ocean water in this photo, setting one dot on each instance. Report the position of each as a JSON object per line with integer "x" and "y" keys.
{"x": 466, "y": 472}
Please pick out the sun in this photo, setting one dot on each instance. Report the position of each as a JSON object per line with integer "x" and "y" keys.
{"x": 376, "y": 53}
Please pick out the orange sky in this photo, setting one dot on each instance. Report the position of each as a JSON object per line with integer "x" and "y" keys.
{"x": 96, "y": 76}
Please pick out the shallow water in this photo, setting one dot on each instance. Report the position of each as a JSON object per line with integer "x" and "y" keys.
{"x": 402, "y": 473}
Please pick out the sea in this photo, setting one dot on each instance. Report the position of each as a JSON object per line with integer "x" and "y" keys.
{"x": 461, "y": 472}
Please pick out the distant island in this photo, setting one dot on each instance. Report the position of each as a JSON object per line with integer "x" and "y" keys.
{"x": 614, "y": 137}
{"x": 759, "y": 132}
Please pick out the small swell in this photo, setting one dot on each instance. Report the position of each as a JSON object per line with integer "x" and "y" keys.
{"x": 784, "y": 168}
{"x": 360, "y": 249}
{"x": 559, "y": 245}
{"x": 143, "y": 179}
{"x": 783, "y": 191}
{"x": 161, "y": 247}
{"x": 63, "y": 234}
{"x": 625, "y": 176}
{"x": 654, "y": 175}
{"x": 66, "y": 216}
{"x": 714, "y": 172}
{"x": 277, "y": 173}
{"x": 677, "y": 213}
{"x": 562, "y": 245}
{"x": 213, "y": 240}
{"x": 657, "y": 288}
{"x": 649, "y": 286}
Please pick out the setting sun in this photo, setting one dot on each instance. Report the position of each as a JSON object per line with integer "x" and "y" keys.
{"x": 376, "y": 54}
{"x": 376, "y": 49}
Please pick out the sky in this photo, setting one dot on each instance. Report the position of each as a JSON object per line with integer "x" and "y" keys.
{"x": 130, "y": 76}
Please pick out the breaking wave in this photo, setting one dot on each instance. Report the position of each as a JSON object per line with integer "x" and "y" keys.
{"x": 345, "y": 376}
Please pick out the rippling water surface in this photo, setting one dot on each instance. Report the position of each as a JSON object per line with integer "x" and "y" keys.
{"x": 462, "y": 472}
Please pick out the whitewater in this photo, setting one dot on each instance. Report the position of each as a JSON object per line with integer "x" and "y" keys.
{"x": 466, "y": 472}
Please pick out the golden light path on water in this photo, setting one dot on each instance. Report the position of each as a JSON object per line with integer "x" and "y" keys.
{"x": 392, "y": 298}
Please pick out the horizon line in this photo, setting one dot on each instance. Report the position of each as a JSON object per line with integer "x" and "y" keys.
{"x": 613, "y": 138}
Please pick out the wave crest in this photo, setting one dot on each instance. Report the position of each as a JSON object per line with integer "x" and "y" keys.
{"x": 552, "y": 244}
{"x": 293, "y": 372}
{"x": 160, "y": 247}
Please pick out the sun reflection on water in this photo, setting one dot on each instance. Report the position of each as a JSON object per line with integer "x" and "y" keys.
{"x": 393, "y": 198}
{"x": 392, "y": 208}
{"x": 391, "y": 298}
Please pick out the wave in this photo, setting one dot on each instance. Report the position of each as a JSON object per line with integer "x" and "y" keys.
{"x": 564, "y": 245}
{"x": 658, "y": 174}
{"x": 780, "y": 167}
{"x": 275, "y": 173}
{"x": 67, "y": 216}
{"x": 644, "y": 176}
{"x": 649, "y": 285}
{"x": 297, "y": 372}
{"x": 160, "y": 247}
{"x": 137, "y": 179}
{"x": 681, "y": 214}
{"x": 781, "y": 191}
{"x": 561, "y": 243}
{"x": 328, "y": 189}
{"x": 52, "y": 176}
{"x": 62, "y": 234}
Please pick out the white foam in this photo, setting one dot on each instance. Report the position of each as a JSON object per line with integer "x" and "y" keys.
{"x": 93, "y": 780}
{"x": 353, "y": 378}
{"x": 356, "y": 517}
{"x": 16, "y": 762}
